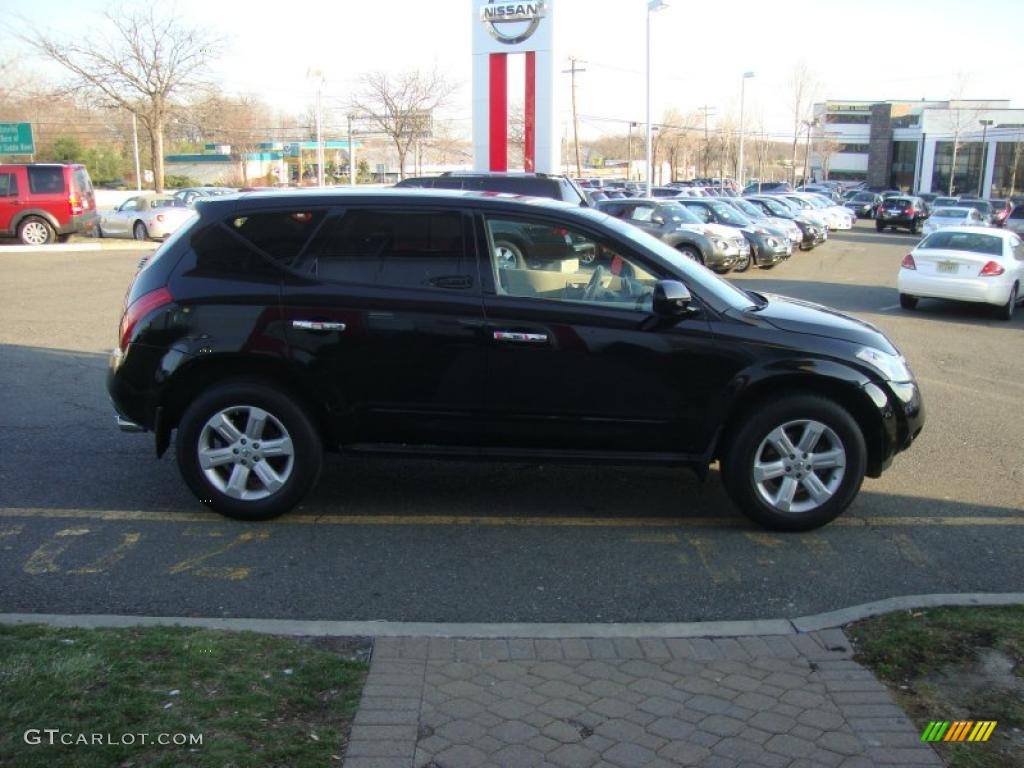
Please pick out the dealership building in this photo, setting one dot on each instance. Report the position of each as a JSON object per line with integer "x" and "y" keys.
{"x": 910, "y": 145}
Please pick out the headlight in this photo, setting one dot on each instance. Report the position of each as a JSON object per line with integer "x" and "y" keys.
{"x": 893, "y": 367}
{"x": 772, "y": 242}
{"x": 719, "y": 243}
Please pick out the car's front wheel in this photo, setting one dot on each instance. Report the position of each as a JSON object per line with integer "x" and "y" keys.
{"x": 248, "y": 450}
{"x": 139, "y": 231}
{"x": 796, "y": 463}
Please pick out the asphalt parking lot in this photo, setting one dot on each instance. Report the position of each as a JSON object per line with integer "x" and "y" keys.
{"x": 91, "y": 522}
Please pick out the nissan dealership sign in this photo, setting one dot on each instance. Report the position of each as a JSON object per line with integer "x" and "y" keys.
{"x": 512, "y": 23}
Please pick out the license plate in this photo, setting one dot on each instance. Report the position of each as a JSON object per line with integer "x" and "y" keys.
{"x": 948, "y": 267}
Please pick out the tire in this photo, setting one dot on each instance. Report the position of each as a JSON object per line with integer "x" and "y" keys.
{"x": 34, "y": 230}
{"x": 915, "y": 228}
{"x": 508, "y": 254}
{"x": 1005, "y": 312}
{"x": 99, "y": 231}
{"x": 236, "y": 403}
{"x": 879, "y": 227}
{"x": 907, "y": 301}
{"x": 691, "y": 253}
{"x": 139, "y": 231}
{"x": 752, "y": 444}
{"x": 63, "y": 238}
{"x": 743, "y": 264}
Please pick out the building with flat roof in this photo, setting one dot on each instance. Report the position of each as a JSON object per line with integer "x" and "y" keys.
{"x": 910, "y": 145}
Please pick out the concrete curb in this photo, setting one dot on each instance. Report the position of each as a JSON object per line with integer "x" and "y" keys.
{"x": 104, "y": 245}
{"x": 535, "y": 631}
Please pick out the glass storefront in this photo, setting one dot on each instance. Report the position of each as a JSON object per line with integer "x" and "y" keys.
{"x": 968, "y": 163}
{"x": 904, "y": 163}
{"x": 1008, "y": 174}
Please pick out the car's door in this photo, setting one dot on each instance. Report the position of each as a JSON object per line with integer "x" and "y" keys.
{"x": 578, "y": 363}
{"x": 119, "y": 222}
{"x": 9, "y": 201}
{"x": 383, "y": 309}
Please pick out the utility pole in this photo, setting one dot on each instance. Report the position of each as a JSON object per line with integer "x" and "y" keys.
{"x": 629, "y": 152}
{"x": 707, "y": 140}
{"x": 573, "y": 69}
{"x": 351, "y": 155}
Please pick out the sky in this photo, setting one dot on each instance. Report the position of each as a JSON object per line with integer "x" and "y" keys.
{"x": 872, "y": 49}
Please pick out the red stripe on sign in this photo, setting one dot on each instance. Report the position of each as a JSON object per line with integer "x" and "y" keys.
{"x": 499, "y": 112}
{"x": 530, "y": 114}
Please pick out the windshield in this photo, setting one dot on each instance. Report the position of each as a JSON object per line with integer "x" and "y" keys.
{"x": 963, "y": 241}
{"x": 677, "y": 213}
{"x": 798, "y": 203}
{"x": 692, "y": 273}
{"x": 728, "y": 214}
{"x": 818, "y": 202}
{"x": 950, "y": 213}
{"x": 979, "y": 205}
{"x": 864, "y": 197}
{"x": 778, "y": 207}
{"x": 748, "y": 208}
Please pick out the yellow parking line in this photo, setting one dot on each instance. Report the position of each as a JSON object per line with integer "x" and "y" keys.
{"x": 491, "y": 520}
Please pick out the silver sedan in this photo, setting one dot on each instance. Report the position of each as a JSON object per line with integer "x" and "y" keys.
{"x": 145, "y": 217}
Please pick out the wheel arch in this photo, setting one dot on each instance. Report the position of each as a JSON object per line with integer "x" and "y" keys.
{"x": 187, "y": 382}
{"x": 847, "y": 393}
{"x": 37, "y": 213}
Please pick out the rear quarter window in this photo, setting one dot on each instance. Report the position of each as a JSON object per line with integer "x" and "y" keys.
{"x": 46, "y": 181}
{"x": 8, "y": 184}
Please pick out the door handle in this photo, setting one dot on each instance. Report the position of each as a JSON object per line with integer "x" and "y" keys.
{"x": 521, "y": 338}
{"x": 317, "y": 325}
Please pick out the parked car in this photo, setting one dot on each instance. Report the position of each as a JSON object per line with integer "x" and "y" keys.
{"x": 960, "y": 216}
{"x": 972, "y": 264}
{"x": 838, "y": 217}
{"x": 533, "y": 184}
{"x": 767, "y": 248}
{"x": 863, "y": 204}
{"x": 945, "y": 202}
{"x": 810, "y": 212}
{"x": 189, "y": 195}
{"x": 1000, "y": 212}
{"x": 43, "y": 203}
{"x": 1015, "y": 221}
{"x": 814, "y": 233}
{"x": 717, "y": 248}
{"x": 929, "y": 198}
{"x": 984, "y": 207}
{"x": 767, "y": 187}
{"x": 145, "y": 217}
{"x": 786, "y": 228}
{"x": 275, "y": 326}
{"x": 904, "y": 212}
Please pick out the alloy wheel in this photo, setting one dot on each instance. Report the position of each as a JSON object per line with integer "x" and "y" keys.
{"x": 35, "y": 233}
{"x": 245, "y": 452}
{"x": 799, "y": 466}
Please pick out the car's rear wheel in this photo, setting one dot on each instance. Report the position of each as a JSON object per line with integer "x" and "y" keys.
{"x": 34, "y": 230}
{"x": 1005, "y": 312}
{"x": 796, "y": 463}
{"x": 139, "y": 231}
{"x": 915, "y": 227}
{"x": 248, "y": 450}
{"x": 907, "y": 301}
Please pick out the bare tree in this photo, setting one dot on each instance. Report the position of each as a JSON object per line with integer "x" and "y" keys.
{"x": 803, "y": 88}
{"x": 961, "y": 120}
{"x": 826, "y": 147}
{"x": 401, "y": 106}
{"x": 147, "y": 62}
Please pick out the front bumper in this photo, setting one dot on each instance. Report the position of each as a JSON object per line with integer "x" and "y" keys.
{"x": 902, "y": 412}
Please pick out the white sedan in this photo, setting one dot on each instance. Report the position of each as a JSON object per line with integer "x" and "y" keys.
{"x": 144, "y": 217}
{"x": 943, "y": 218}
{"x": 976, "y": 264}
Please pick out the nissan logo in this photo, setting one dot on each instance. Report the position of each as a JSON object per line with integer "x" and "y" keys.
{"x": 512, "y": 23}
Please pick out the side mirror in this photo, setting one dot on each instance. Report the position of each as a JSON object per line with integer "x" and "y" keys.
{"x": 656, "y": 219}
{"x": 672, "y": 299}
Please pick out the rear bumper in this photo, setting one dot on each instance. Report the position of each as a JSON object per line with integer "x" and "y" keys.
{"x": 84, "y": 223}
{"x": 973, "y": 289}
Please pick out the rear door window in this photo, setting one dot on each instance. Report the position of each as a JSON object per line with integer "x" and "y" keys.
{"x": 400, "y": 249}
{"x": 254, "y": 246}
{"x": 46, "y": 181}
{"x": 8, "y": 185}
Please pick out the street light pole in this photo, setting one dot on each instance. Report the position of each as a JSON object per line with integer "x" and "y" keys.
{"x": 351, "y": 155}
{"x": 739, "y": 165}
{"x": 653, "y": 6}
{"x": 981, "y": 171}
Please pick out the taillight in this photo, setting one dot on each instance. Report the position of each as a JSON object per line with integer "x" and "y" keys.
{"x": 908, "y": 262}
{"x": 991, "y": 269}
{"x": 75, "y": 204}
{"x": 911, "y": 211}
{"x": 138, "y": 309}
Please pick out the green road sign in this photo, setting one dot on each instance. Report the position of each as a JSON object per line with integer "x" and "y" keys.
{"x": 16, "y": 139}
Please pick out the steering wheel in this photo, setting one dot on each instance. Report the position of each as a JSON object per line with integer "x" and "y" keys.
{"x": 590, "y": 292}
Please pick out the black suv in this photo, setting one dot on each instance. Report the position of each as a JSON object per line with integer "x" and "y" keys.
{"x": 533, "y": 184}
{"x": 277, "y": 325}
{"x": 905, "y": 212}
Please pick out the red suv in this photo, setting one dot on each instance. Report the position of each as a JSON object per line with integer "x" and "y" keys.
{"x": 44, "y": 202}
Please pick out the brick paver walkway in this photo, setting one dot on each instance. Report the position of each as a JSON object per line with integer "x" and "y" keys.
{"x": 796, "y": 700}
